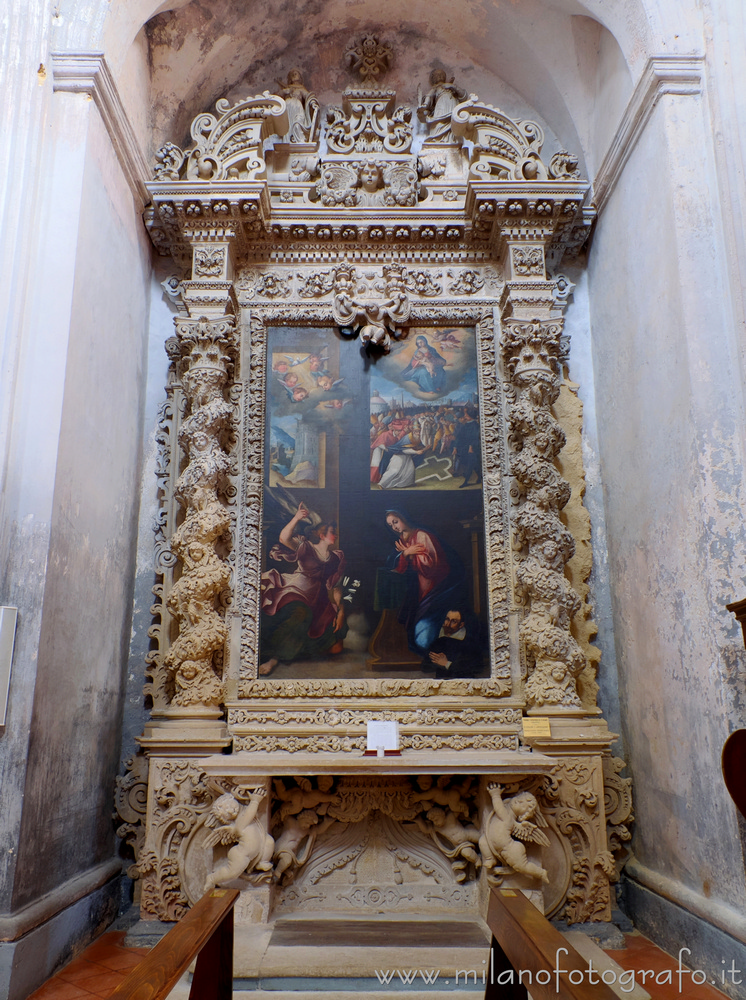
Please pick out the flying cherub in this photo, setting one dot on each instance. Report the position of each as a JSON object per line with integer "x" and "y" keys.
{"x": 304, "y": 796}
{"x": 506, "y": 827}
{"x": 448, "y": 798}
{"x": 451, "y": 837}
{"x": 235, "y": 824}
{"x": 327, "y": 383}
{"x": 295, "y": 843}
{"x": 336, "y": 404}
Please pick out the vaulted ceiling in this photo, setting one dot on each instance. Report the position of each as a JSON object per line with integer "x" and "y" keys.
{"x": 547, "y": 60}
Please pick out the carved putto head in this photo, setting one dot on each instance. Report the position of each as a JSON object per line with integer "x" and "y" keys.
{"x": 225, "y": 809}
{"x": 370, "y": 177}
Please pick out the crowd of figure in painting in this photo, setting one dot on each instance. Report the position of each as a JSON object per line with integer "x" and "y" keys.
{"x": 405, "y": 437}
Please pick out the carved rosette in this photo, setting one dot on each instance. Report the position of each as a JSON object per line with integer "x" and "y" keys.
{"x": 533, "y": 355}
{"x": 194, "y": 659}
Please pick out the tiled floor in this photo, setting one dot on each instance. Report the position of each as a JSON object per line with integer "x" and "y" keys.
{"x": 103, "y": 965}
{"x": 643, "y": 956}
{"x": 95, "y": 973}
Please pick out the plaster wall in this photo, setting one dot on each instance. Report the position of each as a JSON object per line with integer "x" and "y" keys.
{"x": 669, "y": 411}
{"x": 36, "y": 345}
{"x": 95, "y": 388}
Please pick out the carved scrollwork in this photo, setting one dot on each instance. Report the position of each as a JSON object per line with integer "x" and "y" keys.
{"x": 226, "y": 147}
{"x": 180, "y": 798}
{"x": 502, "y": 147}
{"x": 618, "y": 811}
{"x": 369, "y": 122}
{"x": 130, "y": 800}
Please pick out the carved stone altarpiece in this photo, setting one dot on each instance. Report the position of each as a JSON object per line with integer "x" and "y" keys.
{"x": 370, "y": 216}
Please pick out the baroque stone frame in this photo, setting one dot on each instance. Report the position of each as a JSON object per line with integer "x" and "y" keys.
{"x": 254, "y": 243}
{"x": 496, "y": 506}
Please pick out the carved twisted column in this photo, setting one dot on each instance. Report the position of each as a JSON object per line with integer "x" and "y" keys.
{"x": 533, "y": 354}
{"x": 207, "y": 348}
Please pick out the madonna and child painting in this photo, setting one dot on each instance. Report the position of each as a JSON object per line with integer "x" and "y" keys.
{"x": 373, "y": 529}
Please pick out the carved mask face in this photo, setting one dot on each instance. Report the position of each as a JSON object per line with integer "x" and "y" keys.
{"x": 370, "y": 177}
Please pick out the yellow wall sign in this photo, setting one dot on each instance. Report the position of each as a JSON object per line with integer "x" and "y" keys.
{"x": 537, "y": 725}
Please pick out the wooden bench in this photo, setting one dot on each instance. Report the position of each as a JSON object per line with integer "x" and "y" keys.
{"x": 206, "y": 932}
{"x": 523, "y": 941}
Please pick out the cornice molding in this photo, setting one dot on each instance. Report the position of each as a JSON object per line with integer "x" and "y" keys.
{"x": 89, "y": 73}
{"x": 664, "y": 74}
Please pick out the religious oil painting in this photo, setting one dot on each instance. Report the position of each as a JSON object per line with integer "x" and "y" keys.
{"x": 373, "y": 559}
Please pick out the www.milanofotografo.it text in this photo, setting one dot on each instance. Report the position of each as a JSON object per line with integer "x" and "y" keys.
{"x": 625, "y": 979}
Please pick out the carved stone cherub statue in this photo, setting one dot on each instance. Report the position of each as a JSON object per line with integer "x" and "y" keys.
{"x": 304, "y": 796}
{"x": 235, "y": 824}
{"x": 450, "y": 798}
{"x": 371, "y": 184}
{"x": 452, "y": 838}
{"x": 506, "y": 826}
{"x": 295, "y": 843}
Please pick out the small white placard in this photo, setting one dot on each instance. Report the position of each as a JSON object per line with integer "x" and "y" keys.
{"x": 383, "y": 734}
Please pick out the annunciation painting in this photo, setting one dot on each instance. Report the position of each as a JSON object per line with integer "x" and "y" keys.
{"x": 373, "y": 530}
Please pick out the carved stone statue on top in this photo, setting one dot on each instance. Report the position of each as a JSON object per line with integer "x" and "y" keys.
{"x": 302, "y": 107}
{"x": 506, "y": 827}
{"x": 238, "y": 825}
{"x": 436, "y": 106}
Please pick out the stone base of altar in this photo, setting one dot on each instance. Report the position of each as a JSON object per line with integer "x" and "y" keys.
{"x": 375, "y": 947}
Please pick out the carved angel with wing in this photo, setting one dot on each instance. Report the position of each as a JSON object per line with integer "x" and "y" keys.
{"x": 235, "y": 824}
{"x": 402, "y": 186}
{"x": 338, "y": 185}
{"x": 507, "y": 827}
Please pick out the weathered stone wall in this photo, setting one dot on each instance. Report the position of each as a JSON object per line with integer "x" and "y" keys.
{"x": 669, "y": 412}
{"x": 73, "y": 464}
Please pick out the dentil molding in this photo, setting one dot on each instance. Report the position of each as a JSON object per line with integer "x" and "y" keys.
{"x": 89, "y": 73}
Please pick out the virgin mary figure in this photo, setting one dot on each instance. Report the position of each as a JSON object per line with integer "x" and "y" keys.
{"x": 426, "y": 367}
